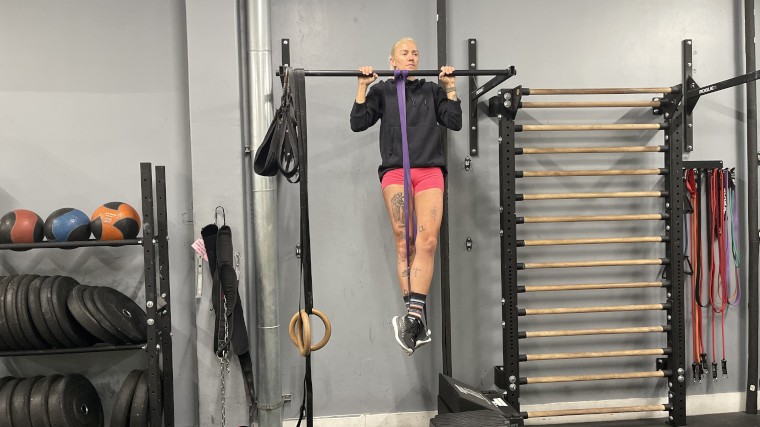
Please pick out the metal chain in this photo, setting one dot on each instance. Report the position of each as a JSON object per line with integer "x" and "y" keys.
{"x": 224, "y": 366}
{"x": 222, "y": 363}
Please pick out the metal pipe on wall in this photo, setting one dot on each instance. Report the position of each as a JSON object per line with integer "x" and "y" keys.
{"x": 263, "y": 221}
{"x": 247, "y": 156}
{"x": 752, "y": 206}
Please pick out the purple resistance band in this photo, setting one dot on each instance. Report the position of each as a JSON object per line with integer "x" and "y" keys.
{"x": 409, "y": 220}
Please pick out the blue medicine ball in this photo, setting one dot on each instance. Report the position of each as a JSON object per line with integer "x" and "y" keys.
{"x": 66, "y": 225}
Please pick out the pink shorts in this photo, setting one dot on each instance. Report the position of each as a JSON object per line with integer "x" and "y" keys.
{"x": 422, "y": 178}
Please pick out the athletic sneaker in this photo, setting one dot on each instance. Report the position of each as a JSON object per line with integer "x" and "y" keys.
{"x": 408, "y": 329}
{"x": 423, "y": 339}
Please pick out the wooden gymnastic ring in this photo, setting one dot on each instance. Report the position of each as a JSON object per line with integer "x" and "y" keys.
{"x": 299, "y": 324}
{"x": 300, "y": 331}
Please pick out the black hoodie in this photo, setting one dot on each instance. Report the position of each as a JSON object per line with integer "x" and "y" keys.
{"x": 426, "y": 107}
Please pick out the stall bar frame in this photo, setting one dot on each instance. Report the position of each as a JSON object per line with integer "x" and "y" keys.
{"x": 674, "y": 109}
{"x": 507, "y": 376}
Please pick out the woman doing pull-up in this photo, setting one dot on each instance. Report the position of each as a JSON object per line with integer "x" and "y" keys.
{"x": 427, "y": 106}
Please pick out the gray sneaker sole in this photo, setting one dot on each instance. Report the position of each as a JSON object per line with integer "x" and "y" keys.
{"x": 408, "y": 350}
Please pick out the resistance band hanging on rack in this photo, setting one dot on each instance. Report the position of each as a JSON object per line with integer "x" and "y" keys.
{"x": 694, "y": 234}
{"x": 734, "y": 216}
{"x": 716, "y": 276}
{"x": 721, "y": 220}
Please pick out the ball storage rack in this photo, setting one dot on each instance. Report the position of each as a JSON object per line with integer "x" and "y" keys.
{"x": 154, "y": 242}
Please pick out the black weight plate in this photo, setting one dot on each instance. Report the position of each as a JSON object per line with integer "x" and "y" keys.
{"x": 74, "y": 402}
{"x": 4, "y": 345}
{"x": 80, "y": 312}
{"x": 59, "y": 295}
{"x": 11, "y": 314}
{"x": 24, "y": 317}
{"x": 123, "y": 404}
{"x": 5, "y": 333}
{"x": 38, "y": 317}
{"x": 122, "y": 312}
{"x": 20, "y": 402}
{"x": 89, "y": 302}
{"x": 46, "y": 305}
{"x": 6, "y": 395}
{"x": 38, "y": 401}
{"x": 139, "y": 415}
{"x": 4, "y": 380}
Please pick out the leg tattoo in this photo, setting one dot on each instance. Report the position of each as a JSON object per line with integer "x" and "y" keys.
{"x": 397, "y": 205}
{"x": 434, "y": 214}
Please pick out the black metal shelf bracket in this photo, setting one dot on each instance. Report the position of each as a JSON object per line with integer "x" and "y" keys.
{"x": 150, "y": 291}
{"x": 693, "y": 91}
{"x": 472, "y": 51}
{"x": 702, "y": 164}
{"x": 688, "y": 83}
{"x": 163, "y": 304}
{"x": 285, "y": 54}
{"x": 474, "y": 92}
{"x": 73, "y": 350}
{"x": 70, "y": 245}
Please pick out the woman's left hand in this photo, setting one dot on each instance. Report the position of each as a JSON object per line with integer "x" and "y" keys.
{"x": 447, "y": 80}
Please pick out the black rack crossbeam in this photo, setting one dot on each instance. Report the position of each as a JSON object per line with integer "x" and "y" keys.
{"x": 702, "y": 164}
{"x": 696, "y": 92}
{"x": 509, "y": 72}
{"x": 497, "y": 80}
{"x": 93, "y": 349}
{"x": 601, "y": 91}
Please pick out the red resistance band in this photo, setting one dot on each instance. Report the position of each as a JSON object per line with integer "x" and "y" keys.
{"x": 722, "y": 223}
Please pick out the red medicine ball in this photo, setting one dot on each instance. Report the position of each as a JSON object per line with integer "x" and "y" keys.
{"x": 21, "y": 226}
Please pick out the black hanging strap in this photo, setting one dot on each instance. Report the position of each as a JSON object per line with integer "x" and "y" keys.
{"x": 284, "y": 150}
{"x": 279, "y": 150}
{"x": 299, "y": 99}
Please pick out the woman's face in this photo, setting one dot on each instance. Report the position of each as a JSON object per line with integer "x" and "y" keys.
{"x": 406, "y": 56}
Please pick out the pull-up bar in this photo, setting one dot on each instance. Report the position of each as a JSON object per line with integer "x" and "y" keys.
{"x": 509, "y": 72}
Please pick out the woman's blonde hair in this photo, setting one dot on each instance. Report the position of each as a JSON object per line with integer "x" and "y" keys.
{"x": 401, "y": 40}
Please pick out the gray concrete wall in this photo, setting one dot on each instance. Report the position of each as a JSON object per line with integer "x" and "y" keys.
{"x": 217, "y": 181}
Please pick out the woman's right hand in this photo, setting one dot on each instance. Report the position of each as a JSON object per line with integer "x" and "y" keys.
{"x": 369, "y": 76}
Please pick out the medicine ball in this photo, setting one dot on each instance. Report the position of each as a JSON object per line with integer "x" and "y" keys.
{"x": 115, "y": 221}
{"x": 21, "y": 226}
{"x": 67, "y": 225}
